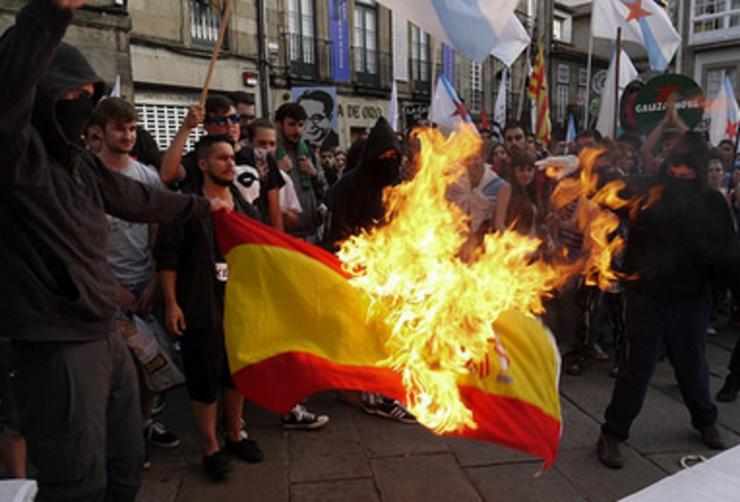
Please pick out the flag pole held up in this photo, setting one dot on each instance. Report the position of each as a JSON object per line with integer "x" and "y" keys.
{"x": 216, "y": 50}
{"x": 616, "y": 81}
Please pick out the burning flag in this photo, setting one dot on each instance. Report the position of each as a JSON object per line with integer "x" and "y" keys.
{"x": 401, "y": 314}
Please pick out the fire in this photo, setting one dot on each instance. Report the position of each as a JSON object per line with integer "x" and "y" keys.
{"x": 441, "y": 309}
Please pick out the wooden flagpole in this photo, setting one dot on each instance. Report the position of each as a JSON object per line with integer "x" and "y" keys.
{"x": 216, "y": 51}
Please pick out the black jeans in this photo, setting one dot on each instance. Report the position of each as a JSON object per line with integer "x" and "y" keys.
{"x": 682, "y": 327}
{"x": 735, "y": 361}
{"x": 79, "y": 411}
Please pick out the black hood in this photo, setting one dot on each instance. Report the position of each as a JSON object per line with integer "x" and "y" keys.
{"x": 375, "y": 165}
{"x": 693, "y": 151}
{"x": 68, "y": 70}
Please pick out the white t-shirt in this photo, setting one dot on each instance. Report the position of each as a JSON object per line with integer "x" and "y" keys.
{"x": 288, "y": 198}
{"x": 127, "y": 249}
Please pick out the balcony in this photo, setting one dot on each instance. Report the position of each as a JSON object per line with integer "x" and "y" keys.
{"x": 421, "y": 73}
{"x": 306, "y": 58}
{"x": 372, "y": 68}
{"x": 205, "y": 23}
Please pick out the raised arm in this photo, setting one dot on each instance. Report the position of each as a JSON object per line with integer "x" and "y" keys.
{"x": 172, "y": 168}
{"x": 26, "y": 50}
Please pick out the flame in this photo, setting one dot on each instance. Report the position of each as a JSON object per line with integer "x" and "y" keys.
{"x": 440, "y": 309}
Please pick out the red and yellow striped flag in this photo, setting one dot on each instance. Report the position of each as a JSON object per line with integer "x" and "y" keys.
{"x": 295, "y": 325}
{"x": 538, "y": 93}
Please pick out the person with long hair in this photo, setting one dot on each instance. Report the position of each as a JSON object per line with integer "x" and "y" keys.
{"x": 526, "y": 211}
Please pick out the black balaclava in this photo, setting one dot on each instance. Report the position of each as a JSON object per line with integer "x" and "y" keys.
{"x": 61, "y": 122}
{"x": 691, "y": 150}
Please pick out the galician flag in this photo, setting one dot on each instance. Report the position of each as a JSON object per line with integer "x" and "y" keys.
{"x": 724, "y": 114}
{"x": 447, "y": 108}
{"x": 473, "y": 27}
{"x": 627, "y": 73}
{"x": 642, "y": 21}
{"x": 295, "y": 325}
{"x": 538, "y": 94}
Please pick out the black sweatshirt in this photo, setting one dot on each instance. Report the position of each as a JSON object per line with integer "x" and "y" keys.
{"x": 55, "y": 282}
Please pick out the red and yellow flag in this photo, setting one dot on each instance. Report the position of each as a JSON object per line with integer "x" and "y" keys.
{"x": 538, "y": 93}
{"x": 295, "y": 325}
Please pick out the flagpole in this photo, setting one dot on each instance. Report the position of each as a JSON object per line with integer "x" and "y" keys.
{"x": 588, "y": 79}
{"x": 617, "y": 63}
{"x": 216, "y": 51}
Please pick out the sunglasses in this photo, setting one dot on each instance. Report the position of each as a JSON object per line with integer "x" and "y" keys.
{"x": 234, "y": 118}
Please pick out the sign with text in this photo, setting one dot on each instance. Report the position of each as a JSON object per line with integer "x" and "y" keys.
{"x": 652, "y": 101}
{"x": 339, "y": 37}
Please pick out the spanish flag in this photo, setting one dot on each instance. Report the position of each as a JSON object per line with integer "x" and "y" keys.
{"x": 295, "y": 325}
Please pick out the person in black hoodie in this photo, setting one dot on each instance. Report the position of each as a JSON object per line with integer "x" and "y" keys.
{"x": 75, "y": 381}
{"x": 358, "y": 206}
{"x": 675, "y": 249}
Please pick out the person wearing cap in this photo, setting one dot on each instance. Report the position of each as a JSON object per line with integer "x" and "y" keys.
{"x": 75, "y": 380}
{"x": 676, "y": 248}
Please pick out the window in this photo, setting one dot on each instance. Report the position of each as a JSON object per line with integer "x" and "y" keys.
{"x": 301, "y": 22}
{"x": 561, "y": 104}
{"x": 716, "y": 76}
{"x": 205, "y": 23}
{"x": 163, "y": 121}
{"x": 476, "y": 86}
{"x": 366, "y": 43}
{"x": 563, "y": 73}
{"x": 420, "y": 67}
{"x": 714, "y": 20}
{"x": 583, "y": 76}
{"x": 557, "y": 28}
{"x": 562, "y": 26}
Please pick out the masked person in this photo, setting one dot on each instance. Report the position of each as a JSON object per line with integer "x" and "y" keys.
{"x": 676, "y": 248}
{"x": 76, "y": 386}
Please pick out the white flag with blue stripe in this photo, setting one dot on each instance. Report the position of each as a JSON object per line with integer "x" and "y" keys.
{"x": 447, "y": 108}
{"x": 724, "y": 114}
{"x": 642, "y": 21}
{"x": 473, "y": 27}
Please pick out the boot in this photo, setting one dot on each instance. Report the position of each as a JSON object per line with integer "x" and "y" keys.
{"x": 607, "y": 449}
{"x": 712, "y": 438}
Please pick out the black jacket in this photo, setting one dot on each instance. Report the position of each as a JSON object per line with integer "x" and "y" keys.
{"x": 682, "y": 243}
{"x": 191, "y": 250}
{"x": 55, "y": 282}
{"x": 358, "y": 199}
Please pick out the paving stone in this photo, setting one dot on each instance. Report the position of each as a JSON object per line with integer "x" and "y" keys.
{"x": 518, "y": 482}
{"x": 384, "y": 438}
{"x": 359, "y": 490}
{"x": 579, "y": 429}
{"x": 334, "y": 452}
{"x": 471, "y": 453}
{"x": 669, "y": 462}
{"x": 428, "y": 478}
{"x": 598, "y": 483}
{"x": 267, "y": 480}
{"x": 161, "y": 483}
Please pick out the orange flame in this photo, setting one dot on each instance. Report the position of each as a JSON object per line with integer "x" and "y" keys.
{"x": 441, "y": 309}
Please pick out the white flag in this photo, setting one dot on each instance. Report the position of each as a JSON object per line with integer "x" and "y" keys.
{"x": 627, "y": 73}
{"x": 512, "y": 42}
{"x": 724, "y": 114}
{"x": 393, "y": 113}
{"x": 642, "y": 21}
{"x": 499, "y": 108}
{"x": 447, "y": 109}
{"x": 116, "y": 91}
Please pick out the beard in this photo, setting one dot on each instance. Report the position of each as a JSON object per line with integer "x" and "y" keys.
{"x": 217, "y": 180}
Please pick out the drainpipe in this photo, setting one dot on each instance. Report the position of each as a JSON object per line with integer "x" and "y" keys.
{"x": 264, "y": 64}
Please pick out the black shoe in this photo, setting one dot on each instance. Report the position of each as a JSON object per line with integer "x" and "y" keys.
{"x": 300, "y": 418}
{"x": 729, "y": 390}
{"x": 377, "y": 404}
{"x": 575, "y": 368}
{"x": 246, "y": 449}
{"x": 216, "y": 465}
{"x": 157, "y": 435}
{"x": 607, "y": 449}
{"x": 712, "y": 438}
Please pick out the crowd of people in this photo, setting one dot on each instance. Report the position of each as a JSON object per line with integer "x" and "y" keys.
{"x": 103, "y": 232}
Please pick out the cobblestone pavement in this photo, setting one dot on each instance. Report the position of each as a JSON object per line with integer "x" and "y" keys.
{"x": 362, "y": 458}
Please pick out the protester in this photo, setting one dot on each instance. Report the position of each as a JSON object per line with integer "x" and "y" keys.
{"x": 515, "y": 140}
{"x": 328, "y": 165}
{"x": 526, "y": 211}
{"x": 664, "y": 137}
{"x": 675, "y": 249}
{"x": 129, "y": 247}
{"x": 499, "y": 159}
{"x": 295, "y": 158}
{"x": 77, "y": 394}
{"x": 247, "y": 111}
{"x": 340, "y": 160}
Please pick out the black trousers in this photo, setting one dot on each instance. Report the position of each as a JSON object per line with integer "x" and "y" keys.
{"x": 682, "y": 327}
{"x": 735, "y": 360}
{"x": 79, "y": 411}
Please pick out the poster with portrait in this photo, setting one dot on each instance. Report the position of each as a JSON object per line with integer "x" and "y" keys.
{"x": 320, "y": 103}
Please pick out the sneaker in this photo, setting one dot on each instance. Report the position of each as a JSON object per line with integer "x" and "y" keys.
{"x": 157, "y": 435}
{"x": 598, "y": 353}
{"x": 712, "y": 438}
{"x": 711, "y": 331}
{"x": 246, "y": 449}
{"x": 216, "y": 465}
{"x": 159, "y": 402}
{"x": 729, "y": 390}
{"x": 147, "y": 461}
{"x": 300, "y": 418}
{"x": 376, "y": 404}
{"x": 607, "y": 449}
